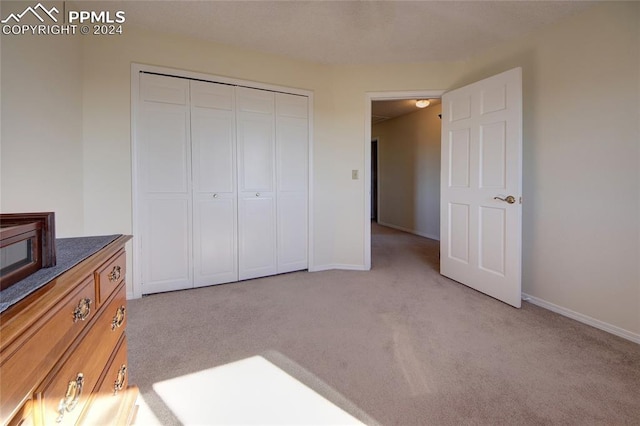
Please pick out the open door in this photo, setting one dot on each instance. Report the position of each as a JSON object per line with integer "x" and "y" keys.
{"x": 481, "y": 184}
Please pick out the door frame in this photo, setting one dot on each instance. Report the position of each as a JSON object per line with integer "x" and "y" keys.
{"x": 380, "y": 96}
{"x": 376, "y": 205}
{"x": 135, "y": 291}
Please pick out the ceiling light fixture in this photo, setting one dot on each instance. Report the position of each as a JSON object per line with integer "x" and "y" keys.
{"x": 422, "y": 103}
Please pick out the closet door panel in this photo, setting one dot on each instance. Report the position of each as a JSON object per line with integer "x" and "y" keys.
{"x": 292, "y": 232}
{"x": 214, "y": 183}
{"x": 166, "y": 245}
{"x": 213, "y": 137}
{"x": 213, "y": 141}
{"x": 256, "y": 140}
{"x": 164, "y": 184}
{"x": 165, "y": 141}
{"x": 255, "y": 100}
{"x": 288, "y": 105}
{"x": 292, "y": 145}
{"x": 215, "y": 240}
{"x": 164, "y": 89}
{"x": 256, "y": 152}
{"x": 293, "y": 159}
{"x": 212, "y": 95}
{"x": 257, "y": 254}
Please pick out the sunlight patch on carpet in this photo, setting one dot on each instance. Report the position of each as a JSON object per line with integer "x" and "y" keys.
{"x": 249, "y": 391}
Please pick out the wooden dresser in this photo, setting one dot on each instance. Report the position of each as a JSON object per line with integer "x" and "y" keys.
{"x": 63, "y": 355}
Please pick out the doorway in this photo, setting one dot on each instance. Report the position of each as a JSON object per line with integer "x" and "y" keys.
{"x": 481, "y": 161}
{"x": 370, "y": 195}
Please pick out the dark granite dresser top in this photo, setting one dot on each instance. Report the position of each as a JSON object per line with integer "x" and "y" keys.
{"x": 69, "y": 252}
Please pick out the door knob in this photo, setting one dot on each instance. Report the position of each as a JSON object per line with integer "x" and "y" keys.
{"x": 257, "y": 194}
{"x": 215, "y": 195}
{"x": 508, "y": 199}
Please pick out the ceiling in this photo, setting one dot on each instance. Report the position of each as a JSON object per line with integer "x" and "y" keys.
{"x": 348, "y": 32}
{"x": 385, "y": 110}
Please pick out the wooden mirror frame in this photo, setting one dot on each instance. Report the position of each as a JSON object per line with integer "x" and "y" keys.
{"x": 47, "y": 222}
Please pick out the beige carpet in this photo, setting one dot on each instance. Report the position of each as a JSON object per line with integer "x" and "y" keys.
{"x": 399, "y": 345}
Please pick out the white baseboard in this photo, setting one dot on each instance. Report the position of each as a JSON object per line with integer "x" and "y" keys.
{"x": 410, "y": 231}
{"x": 131, "y": 296}
{"x": 620, "y": 332}
{"x": 343, "y": 266}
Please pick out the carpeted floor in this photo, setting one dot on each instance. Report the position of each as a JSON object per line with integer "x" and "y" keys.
{"x": 399, "y": 345}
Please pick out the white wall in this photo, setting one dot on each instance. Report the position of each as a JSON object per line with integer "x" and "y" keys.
{"x": 409, "y": 171}
{"x": 41, "y": 138}
{"x": 581, "y": 211}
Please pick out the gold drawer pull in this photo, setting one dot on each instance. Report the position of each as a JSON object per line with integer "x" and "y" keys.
{"x": 71, "y": 397}
{"x": 82, "y": 311}
{"x": 120, "y": 379}
{"x": 118, "y": 318}
{"x": 114, "y": 275}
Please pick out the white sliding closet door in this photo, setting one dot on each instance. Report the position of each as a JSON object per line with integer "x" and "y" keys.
{"x": 215, "y": 230}
{"x": 256, "y": 180}
{"x": 292, "y": 142}
{"x": 164, "y": 182}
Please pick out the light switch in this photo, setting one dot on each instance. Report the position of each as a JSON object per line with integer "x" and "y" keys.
{"x": 354, "y": 174}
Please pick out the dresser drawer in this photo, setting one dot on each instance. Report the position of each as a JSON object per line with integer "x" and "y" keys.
{"x": 110, "y": 276}
{"x": 30, "y": 357}
{"x": 108, "y": 398}
{"x": 64, "y": 394}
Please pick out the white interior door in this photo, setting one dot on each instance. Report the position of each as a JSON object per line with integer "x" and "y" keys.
{"x": 481, "y": 181}
{"x": 164, "y": 179}
{"x": 256, "y": 179}
{"x": 215, "y": 198}
{"x": 292, "y": 135}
